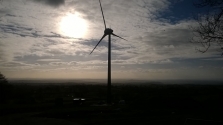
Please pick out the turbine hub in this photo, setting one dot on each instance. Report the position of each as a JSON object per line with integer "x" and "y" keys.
{"x": 108, "y": 31}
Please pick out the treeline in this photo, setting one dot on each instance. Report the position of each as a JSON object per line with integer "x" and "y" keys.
{"x": 5, "y": 89}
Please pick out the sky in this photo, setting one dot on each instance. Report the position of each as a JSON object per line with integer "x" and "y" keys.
{"x": 52, "y": 39}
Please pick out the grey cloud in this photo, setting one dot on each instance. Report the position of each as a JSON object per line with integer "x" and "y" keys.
{"x": 18, "y": 66}
{"x": 14, "y": 64}
{"x": 73, "y": 63}
{"x": 168, "y": 41}
{"x": 10, "y": 15}
{"x": 167, "y": 37}
{"x": 48, "y": 60}
{"x": 13, "y": 29}
{"x": 165, "y": 61}
{"x": 5, "y": 11}
{"x": 93, "y": 42}
{"x": 58, "y": 63}
{"x": 30, "y": 32}
{"x": 52, "y": 2}
{"x": 55, "y": 52}
{"x": 92, "y": 67}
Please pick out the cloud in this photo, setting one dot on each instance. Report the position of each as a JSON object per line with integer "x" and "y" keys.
{"x": 165, "y": 61}
{"x": 64, "y": 64}
{"x": 135, "y": 23}
{"x": 200, "y": 67}
{"x": 48, "y": 60}
{"x": 30, "y": 33}
{"x": 57, "y": 63}
{"x": 73, "y": 63}
{"x": 17, "y": 66}
{"x": 52, "y": 2}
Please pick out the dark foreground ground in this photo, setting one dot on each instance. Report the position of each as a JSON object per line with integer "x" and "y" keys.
{"x": 154, "y": 104}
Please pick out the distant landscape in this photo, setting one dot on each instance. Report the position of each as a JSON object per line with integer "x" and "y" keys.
{"x": 114, "y": 81}
{"x": 133, "y": 102}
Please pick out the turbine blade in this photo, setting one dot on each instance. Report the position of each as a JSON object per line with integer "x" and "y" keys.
{"x": 102, "y": 14}
{"x": 98, "y": 43}
{"x": 119, "y": 37}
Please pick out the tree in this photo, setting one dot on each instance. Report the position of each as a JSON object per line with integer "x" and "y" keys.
{"x": 3, "y": 80}
{"x": 5, "y": 89}
{"x": 209, "y": 31}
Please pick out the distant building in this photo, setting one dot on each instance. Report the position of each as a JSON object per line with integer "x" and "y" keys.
{"x": 78, "y": 101}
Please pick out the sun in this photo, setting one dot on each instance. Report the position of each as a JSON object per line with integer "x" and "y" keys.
{"x": 73, "y": 25}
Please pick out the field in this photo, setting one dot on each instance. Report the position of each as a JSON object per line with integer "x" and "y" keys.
{"x": 151, "y": 103}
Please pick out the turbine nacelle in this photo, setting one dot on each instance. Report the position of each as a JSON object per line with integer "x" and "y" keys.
{"x": 108, "y": 31}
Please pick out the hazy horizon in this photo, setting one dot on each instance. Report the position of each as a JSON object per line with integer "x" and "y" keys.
{"x": 114, "y": 82}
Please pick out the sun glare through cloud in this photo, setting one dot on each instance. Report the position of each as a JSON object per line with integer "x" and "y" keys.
{"x": 73, "y": 25}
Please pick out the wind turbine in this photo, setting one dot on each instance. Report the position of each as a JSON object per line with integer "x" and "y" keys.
{"x": 109, "y": 32}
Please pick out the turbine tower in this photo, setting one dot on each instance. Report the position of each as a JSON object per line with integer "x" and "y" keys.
{"x": 108, "y": 32}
